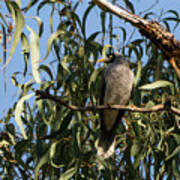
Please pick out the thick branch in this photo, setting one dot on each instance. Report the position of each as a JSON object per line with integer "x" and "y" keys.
{"x": 120, "y": 12}
{"x": 160, "y": 107}
{"x": 154, "y": 31}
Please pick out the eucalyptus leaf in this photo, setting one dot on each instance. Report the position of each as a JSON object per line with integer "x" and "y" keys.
{"x": 53, "y": 37}
{"x": 41, "y": 162}
{"x": 68, "y": 174}
{"x": 175, "y": 152}
{"x": 156, "y": 85}
{"x": 35, "y": 54}
{"x": 19, "y": 25}
{"x": 93, "y": 76}
{"x": 18, "y": 111}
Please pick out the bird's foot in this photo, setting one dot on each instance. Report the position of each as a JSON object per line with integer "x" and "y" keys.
{"x": 133, "y": 107}
{"x": 109, "y": 105}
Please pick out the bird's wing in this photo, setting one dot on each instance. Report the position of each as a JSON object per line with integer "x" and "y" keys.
{"x": 106, "y": 145}
{"x": 103, "y": 87}
{"x": 104, "y": 113}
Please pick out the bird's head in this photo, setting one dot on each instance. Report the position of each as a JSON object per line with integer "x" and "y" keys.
{"x": 112, "y": 57}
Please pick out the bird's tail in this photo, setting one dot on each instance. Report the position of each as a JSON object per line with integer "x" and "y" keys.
{"x": 106, "y": 146}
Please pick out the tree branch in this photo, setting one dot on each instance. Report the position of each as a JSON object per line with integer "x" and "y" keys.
{"x": 153, "y": 30}
{"x": 160, "y": 107}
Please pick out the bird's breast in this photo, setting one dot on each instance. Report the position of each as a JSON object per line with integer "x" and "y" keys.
{"x": 118, "y": 86}
{"x": 119, "y": 81}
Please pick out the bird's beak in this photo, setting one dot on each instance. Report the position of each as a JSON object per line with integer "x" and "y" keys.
{"x": 101, "y": 60}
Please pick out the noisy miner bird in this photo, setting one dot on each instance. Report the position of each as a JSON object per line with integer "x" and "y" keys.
{"x": 116, "y": 89}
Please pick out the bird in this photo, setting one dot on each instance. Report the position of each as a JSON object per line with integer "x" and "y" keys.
{"x": 117, "y": 85}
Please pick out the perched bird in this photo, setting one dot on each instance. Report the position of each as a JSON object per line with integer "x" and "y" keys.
{"x": 116, "y": 89}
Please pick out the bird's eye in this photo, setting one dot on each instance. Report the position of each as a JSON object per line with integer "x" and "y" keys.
{"x": 110, "y": 56}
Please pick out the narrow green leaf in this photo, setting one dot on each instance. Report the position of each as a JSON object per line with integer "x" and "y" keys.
{"x": 19, "y": 3}
{"x": 25, "y": 50}
{"x": 174, "y": 12}
{"x": 85, "y": 19}
{"x": 53, "y": 149}
{"x": 30, "y": 5}
{"x": 94, "y": 76}
{"x": 41, "y": 162}
{"x": 35, "y": 54}
{"x": 129, "y": 5}
{"x": 47, "y": 70}
{"x": 24, "y": 43}
{"x": 4, "y": 143}
{"x": 40, "y": 24}
{"x": 177, "y": 150}
{"x": 52, "y": 153}
{"x": 18, "y": 111}
{"x": 50, "y": 41}
{"x": 177, "y": 137}
{"x": 93, "y": 36}
{"x": 138, "y": 74}
{"x": 124, "y": 33}
{"x": 103, "y": 21}
{"x": 177, "y": 19}
{"x": 175, "y": 169}
{"x": 146, "y": 16}
{"x": 66, "y": 121}
{"x": 4, "y": 20}
{"x": 14, "y": 79}
{"x": 19, "y": 25}
{"x": 51, "y": 19}
{"x": 155, "y": 85}
{"x": 64, "y": 64}
{"x": 68, "y": 174}
{"x": 135, "y": 148}
{"x": 76, "y": 18}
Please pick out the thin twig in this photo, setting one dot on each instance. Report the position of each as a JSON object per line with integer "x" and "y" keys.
{"x": 160, "y": 107}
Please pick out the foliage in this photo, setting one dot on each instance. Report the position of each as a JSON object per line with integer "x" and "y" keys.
{"x": 55, "y": 142}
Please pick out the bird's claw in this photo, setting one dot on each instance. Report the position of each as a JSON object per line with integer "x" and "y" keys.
{"x": 134, "y": 107}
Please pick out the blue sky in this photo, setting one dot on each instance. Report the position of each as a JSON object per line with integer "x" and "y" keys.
{"x": 8, "y": 98}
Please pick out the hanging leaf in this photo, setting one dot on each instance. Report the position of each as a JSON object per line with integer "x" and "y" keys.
{"x": 138, "y": 74}
{"x": 18, "y": 111}
{"x": 52, "y": 153}
{"x": 25, "y": 50}
{"x": 175, "y": 152}
{"x": 43, "y": 160}
{"x": 40, "y": 24}
{"x": 64, "y": 64}
{"x": 124, "y": 33}
{"x": 103, "y": 20}
{"x": 19, "y": 25}
{"x": 85, "y": 19}
{"x": 47, "y": 70}
{"x": 129, "y": 5}
{"x": 50, "y": 41}
{"x": 93, "y": 36}
{"x": 94, "y": 76}
{"x": 35, "y": 54}
{"x": 68, "y": 174}
{"x": 156, "y": 85}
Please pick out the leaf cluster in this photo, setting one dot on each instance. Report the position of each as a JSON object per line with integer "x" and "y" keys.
{"x": 41, "y": 139}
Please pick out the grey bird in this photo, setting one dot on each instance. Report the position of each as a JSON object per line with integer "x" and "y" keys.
{"x": 117, "y": 85}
